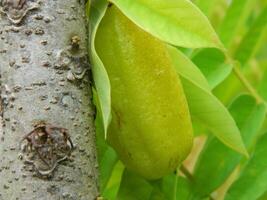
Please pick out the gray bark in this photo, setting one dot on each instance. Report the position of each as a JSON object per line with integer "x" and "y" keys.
{"x": 45, "y": 77}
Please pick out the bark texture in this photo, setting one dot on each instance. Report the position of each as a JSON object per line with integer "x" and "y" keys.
{"x": 45, "y": 76}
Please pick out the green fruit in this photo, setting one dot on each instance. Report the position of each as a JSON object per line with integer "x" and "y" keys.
{"x": 151, "y": 128}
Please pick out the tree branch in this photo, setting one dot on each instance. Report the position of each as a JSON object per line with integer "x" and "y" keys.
{"x": 45, "y": 77}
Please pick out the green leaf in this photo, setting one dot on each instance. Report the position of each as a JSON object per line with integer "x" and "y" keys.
{"x": 134, "y": 187}
{"x": 217, "y": 160}
{"x": 252, "y": 182}
{"x": 156, "y": 195}
{"x": 249, "y": 116}
{"x": 233, "y": 19}
{"x": 113, "y": 185}
{"x": 179, "y": 189}
{"x": 169, "y": 187}
{"x": 213, "y": 65}
{"x": 234, "y": 88}
{"x": 187, "y": 69}
{"x": 179, "y": 23}
{"x": 101, "y": 80}
{"x": 204, "y": 106}
{"x": 100, "y": 138}
{"x": 250, "y": 42}
{"x": 107, "y": 157}
{"x": 211, "y": 112}
{"x": 106, "y": 166}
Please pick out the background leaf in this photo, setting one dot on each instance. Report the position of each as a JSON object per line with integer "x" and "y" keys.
{"x": 246, "y": 49}
{"x": 213, "y": 9}
{"x": 234, "y": 18}
{"x": 168, "y": 188}
{"x": 250, "y": 41}
{"x": 252, "y": 182}
{"x": 249, "y": 116}
{"x": 179, "y": 23}
{"x": 213, "y": 65}
{"x": 217, "y": 160}
{"x": 204, "y": 105}
{"x": 206, "y": 6}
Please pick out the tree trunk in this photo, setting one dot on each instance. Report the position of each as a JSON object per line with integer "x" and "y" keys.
{"x": 44, "y": 79}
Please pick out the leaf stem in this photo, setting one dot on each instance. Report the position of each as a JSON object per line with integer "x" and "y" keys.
{"x": 246, "y": 84}
{"x": 185, "y": 171}
{"x": 243, "y": 79}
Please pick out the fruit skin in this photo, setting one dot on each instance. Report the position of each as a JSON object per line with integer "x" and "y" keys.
{"x": 151, "y": 128}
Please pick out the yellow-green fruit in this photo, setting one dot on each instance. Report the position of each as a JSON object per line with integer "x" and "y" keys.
{"x": 151, "y": 128}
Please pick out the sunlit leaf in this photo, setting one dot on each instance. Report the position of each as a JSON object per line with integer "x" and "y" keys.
{"x": 187, "y": 69}
{"x": 179, "y": 23}
{"x": 205, "y": 106}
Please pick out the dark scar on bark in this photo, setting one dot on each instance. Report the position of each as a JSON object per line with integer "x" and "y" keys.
{"x": 47, "y": 144}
